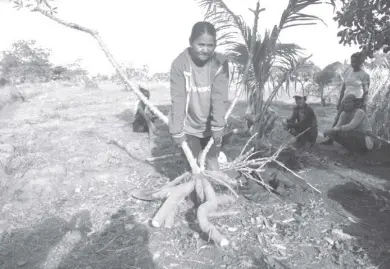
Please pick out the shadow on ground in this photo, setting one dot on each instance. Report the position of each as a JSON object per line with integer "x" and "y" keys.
{"x": 56, "y": 243}
{"x": 373, "y": 238}
{"x": 30, "y": 247}
{"x": 375, "y": 163}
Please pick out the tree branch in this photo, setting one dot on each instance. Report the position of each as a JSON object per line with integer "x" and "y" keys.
{"x": 109, "y": 56}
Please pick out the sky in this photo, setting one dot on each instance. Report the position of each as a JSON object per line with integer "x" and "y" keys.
{"x": 152, "y": 32}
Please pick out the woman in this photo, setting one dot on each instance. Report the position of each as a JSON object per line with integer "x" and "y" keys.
{"x": 351, "y": 128}
{"x": 356, "y": 82}
{"x": 199, "y": 83}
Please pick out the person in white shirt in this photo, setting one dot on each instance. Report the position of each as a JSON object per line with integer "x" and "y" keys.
{"x": 357, "y": 83}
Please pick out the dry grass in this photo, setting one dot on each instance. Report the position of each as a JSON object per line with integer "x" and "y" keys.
{"x": 67, "y": 203}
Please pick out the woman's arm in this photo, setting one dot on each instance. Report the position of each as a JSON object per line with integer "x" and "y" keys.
{"x": 341, "y": 96}
{"x": 341, "y": 120}
{"x": 178, "y": 99}
{"x": 219, "y": 99}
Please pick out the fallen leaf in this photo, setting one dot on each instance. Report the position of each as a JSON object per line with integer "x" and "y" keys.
{"x": 21, "y": 263}
{"x": 129, "y": 227}
{"x": 330, "y": 241}
{"x": 232, "y": 229}
{"x": 341, "y": 234}
{"x": 156, "y": 255}
{"x": 279, "y": 246}
{"x": 288, "y": 220}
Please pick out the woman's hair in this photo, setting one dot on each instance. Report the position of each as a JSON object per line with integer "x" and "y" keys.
{"x": 202, "y": 27}
{"x": 298, "y": 97}
{"x": 350, "y": 99}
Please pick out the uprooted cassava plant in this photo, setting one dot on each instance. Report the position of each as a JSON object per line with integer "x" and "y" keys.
{"x": 199, "y": 180}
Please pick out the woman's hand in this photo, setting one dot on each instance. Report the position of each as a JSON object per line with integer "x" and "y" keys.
{"x": 217, "y": 136}
{"x": 336, "y": 129}
{"x": 284, "y": 123}
{"x": 327, "y": 132}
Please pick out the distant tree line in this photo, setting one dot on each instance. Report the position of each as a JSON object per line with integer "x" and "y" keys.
{"x": 25, "y": 61}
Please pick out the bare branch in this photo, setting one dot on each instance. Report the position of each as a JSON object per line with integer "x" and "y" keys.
{"x": 109, "y": 56}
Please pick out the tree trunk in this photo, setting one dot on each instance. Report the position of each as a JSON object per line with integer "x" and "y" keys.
{"x": 323, "y": 101}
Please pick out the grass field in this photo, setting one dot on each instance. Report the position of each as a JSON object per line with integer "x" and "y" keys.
{"x": 70, "y": 159}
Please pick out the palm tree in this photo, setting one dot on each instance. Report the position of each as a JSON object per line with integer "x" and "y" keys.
{"x": 235, "y": 38}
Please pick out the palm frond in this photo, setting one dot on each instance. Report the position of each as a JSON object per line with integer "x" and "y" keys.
{"x": 293, "y": 15}
{"x": 225, "y": 20}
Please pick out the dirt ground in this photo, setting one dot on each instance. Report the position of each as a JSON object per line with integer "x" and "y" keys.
{"x": 70, "y": 159}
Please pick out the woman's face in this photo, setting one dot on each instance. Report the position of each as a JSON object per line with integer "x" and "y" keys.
{"x": 300, "y": 102}
{"x": 348, "y": 105}
{"x": 203, "y": 47}
{"x": 355, "y": 62}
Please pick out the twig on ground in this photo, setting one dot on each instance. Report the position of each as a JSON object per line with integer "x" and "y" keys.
{"x": 246, "y": 144}
{"x": 223, "y": 214}
{"x": 163, "y": 157}
{"x": 370, "y": 134}
{"x": 109, "y": 243}
{"x": 298, "y": 176}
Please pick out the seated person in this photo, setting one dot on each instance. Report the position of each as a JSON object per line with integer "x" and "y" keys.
{"x": 351, "y": 128}
{"x": 303, "y": 117}
{"x": 144, "y": 119}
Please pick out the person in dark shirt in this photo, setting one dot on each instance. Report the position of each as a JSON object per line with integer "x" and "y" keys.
{"x": 144, "y": 119}
{"x": 302, "y": 118}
